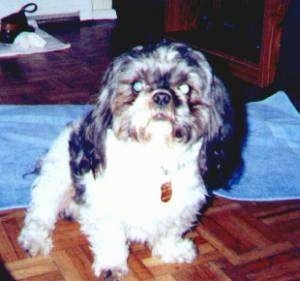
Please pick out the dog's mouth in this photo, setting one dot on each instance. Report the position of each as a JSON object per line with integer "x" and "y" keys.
{"x": 162, "y": 116}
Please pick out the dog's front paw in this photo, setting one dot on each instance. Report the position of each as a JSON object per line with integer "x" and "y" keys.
{"x": 70, "y": 212}
{"x": 112, "y": 274}
{"x": 35, "y": 239}
{"x": 175, "y": 250}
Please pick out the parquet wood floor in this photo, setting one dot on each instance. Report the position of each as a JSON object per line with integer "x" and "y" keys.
{"x": 69, "y": 76}
{"x": 236, "y": 240}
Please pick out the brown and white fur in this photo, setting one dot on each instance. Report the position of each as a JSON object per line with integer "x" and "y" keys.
{"x": 162, "y": 116}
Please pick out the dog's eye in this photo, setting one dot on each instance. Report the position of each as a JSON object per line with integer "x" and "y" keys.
{"x": 138, "y": 86}
{"x": 184, "y": 88}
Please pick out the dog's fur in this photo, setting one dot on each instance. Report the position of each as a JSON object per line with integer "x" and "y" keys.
{"x": 162, "y": 116}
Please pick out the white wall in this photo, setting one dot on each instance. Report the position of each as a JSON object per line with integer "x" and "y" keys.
{"x": 86, "y": 9}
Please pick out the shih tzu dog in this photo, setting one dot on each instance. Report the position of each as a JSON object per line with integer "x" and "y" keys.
{"x": 140, "y": 165}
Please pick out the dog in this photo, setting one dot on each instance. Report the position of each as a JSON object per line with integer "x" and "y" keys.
{"x": 139, "y": 166}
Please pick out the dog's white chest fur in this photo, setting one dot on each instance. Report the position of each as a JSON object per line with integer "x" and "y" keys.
{"x": 129, "y": 189}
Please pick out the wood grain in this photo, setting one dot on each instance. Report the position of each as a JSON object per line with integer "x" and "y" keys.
{"x": 233, "y": 238}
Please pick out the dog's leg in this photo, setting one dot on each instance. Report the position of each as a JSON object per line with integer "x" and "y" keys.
{"x": 50, "y": 190}
{"x": 172, "y": 248}
{"x": 69, "y": 210}
{"x": 108, "y": 244}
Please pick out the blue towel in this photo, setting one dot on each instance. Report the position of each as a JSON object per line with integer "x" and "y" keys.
{"x": 271, "y": 153}
{"x": 26, "y": 133}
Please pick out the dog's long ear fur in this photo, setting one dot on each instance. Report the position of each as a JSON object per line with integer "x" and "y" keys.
{"x": 87, "y": 142}
{"x": 220, "y": 156}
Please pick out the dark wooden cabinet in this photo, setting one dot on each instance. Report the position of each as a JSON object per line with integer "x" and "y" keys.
{"x": 246, "y": 34}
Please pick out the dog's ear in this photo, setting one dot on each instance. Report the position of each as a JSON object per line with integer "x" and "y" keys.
{"x": 220, "y": 155}
{"x": 93, "y": 129}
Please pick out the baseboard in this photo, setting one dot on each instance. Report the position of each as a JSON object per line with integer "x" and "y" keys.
{"x": 108, "y": 14}
{"x": 61, "y": 17}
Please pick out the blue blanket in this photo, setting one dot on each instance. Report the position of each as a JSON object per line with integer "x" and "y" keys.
{"x": 272, "y": 152}
{"x": 26, "y": 133}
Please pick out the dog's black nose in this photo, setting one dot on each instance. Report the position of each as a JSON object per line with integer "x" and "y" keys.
{"x": 162, "y": 98}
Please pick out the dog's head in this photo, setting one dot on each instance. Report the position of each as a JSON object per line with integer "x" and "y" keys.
{"x": 167, "y": 89}
{"x": 161, "y": 89}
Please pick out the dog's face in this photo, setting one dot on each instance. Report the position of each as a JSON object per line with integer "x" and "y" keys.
{"x": 165, "y": 91}
{"x": 160, "y": 90}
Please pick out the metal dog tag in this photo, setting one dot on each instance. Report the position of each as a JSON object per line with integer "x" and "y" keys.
{"x": 166, "y": 192}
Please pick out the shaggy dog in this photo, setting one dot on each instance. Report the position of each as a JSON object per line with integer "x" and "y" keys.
{"x": 138, "y": 166}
